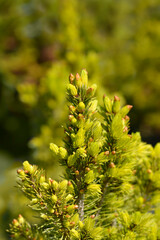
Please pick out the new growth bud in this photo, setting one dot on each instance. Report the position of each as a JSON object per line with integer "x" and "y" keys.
{"x": 63, "y": 153}
{"x": 54, "y": 148}
{"x": 84, "y": 77}
{"x": 72, "y": 89}
{"x": 28, "y": 167}
{"x": 71, "y": 78}
{"x": 81, "y": 106}
{"x": 107, "y": 104}
{"x": 116, "y": 105}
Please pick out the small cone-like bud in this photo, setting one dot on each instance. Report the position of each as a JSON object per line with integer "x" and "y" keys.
{"x": 149, "y": 171}
{"x": 92, "y": 216}
{"x": 108, "y": 104}
{"x": 54, "y": 148}
{"x": 116, "y": 105}
{"x": 91, "y": 91}
{"x": 125, "y": 129}
{"x": 21, "y": 219}
{"x": 21, "y": 172}
{"x": 81, "y": 106}
{"x": 127, "y": 118}
{"x": 78, "y": 80}
{"x": 63, "y": 153}
{"x": 44, "y": 216}
{"x": 69, "y": 197}
{"x": 55, "y": 185}
{"x": 72, "y": 89}
{"x": 71, "y": 78}
{"x": 34, "y": 201}
{"x": 125, "y": 110}
{"x": 113, "y": 152}
{"x": 81, "y": 191}
{"x": 63, "y": 185}
{"x": 54, "y": 198}
{"x": 77, "y": 172}
{"x": 106, "y": 153}
{"x": 72, "y": 108}
{"x": 70, "y": 117}
{"x": 28, "y": 167}
{"x": 42, "y": 179}
{"x": 112, "y": 165}
{"x": 84, "y": 77}
{"x": 15, "y": 222}
{"x": 69, "y": 183}
{"x": 70, "y": 208}
{"x": 93, "y": 106}
{"x": 75, "y": 206}
{"x": 87, "y": 169}
{"x": 74, "y": 121}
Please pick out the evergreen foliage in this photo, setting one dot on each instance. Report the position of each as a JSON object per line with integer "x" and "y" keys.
{"x": 111, "y": 185}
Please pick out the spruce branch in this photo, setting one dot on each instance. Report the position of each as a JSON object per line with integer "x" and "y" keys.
{"x": 110, "y": 182}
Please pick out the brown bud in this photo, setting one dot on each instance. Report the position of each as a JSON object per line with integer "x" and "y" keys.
{"x": 125, "y": 129}
{"x": 87, "y": 169}
{"x": 106, "y": 153}
{"x": 68, "y": 216}
{"x": 80, "y": 116}
{"x": 15, "y": 222}
{"x": 19, "y": 171}
{"x": 92, "y": 216}
{"x": 77, "y": 76}
{"x": 69, "y": 183}
{"x": 149, "y": 171}
{"x": 112, "y": 165}
{"x": 72, "y": 223}
{"x": 82, "y": 191}
{"x": 89, "y": 90}
{"x": 51, "y": 180}
{"x": 90, "y": 139}
{"x": 72, "y": 108}
{"x": 113, "y": 152}
{"x": 129, "y": 107}
{"x": 71, "y": 78}
{"x": 127, "y": 117}
{"x": 116, "y": 98}
{"x": 75, "y": 206}
{"x": 104, "y": 95}
{"x": 77, "y": 172}
{"x": 70, "y": 117}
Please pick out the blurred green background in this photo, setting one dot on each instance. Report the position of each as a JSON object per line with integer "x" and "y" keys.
{"x": 41, "y": 42}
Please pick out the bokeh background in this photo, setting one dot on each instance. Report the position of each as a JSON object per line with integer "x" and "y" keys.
{"x": 41, "y": 42}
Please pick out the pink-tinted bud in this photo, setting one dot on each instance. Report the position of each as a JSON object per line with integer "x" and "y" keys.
{"x": 71, "y": 78}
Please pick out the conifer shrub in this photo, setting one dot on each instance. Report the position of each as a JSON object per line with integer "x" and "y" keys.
{"x": 110, "y": 188}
